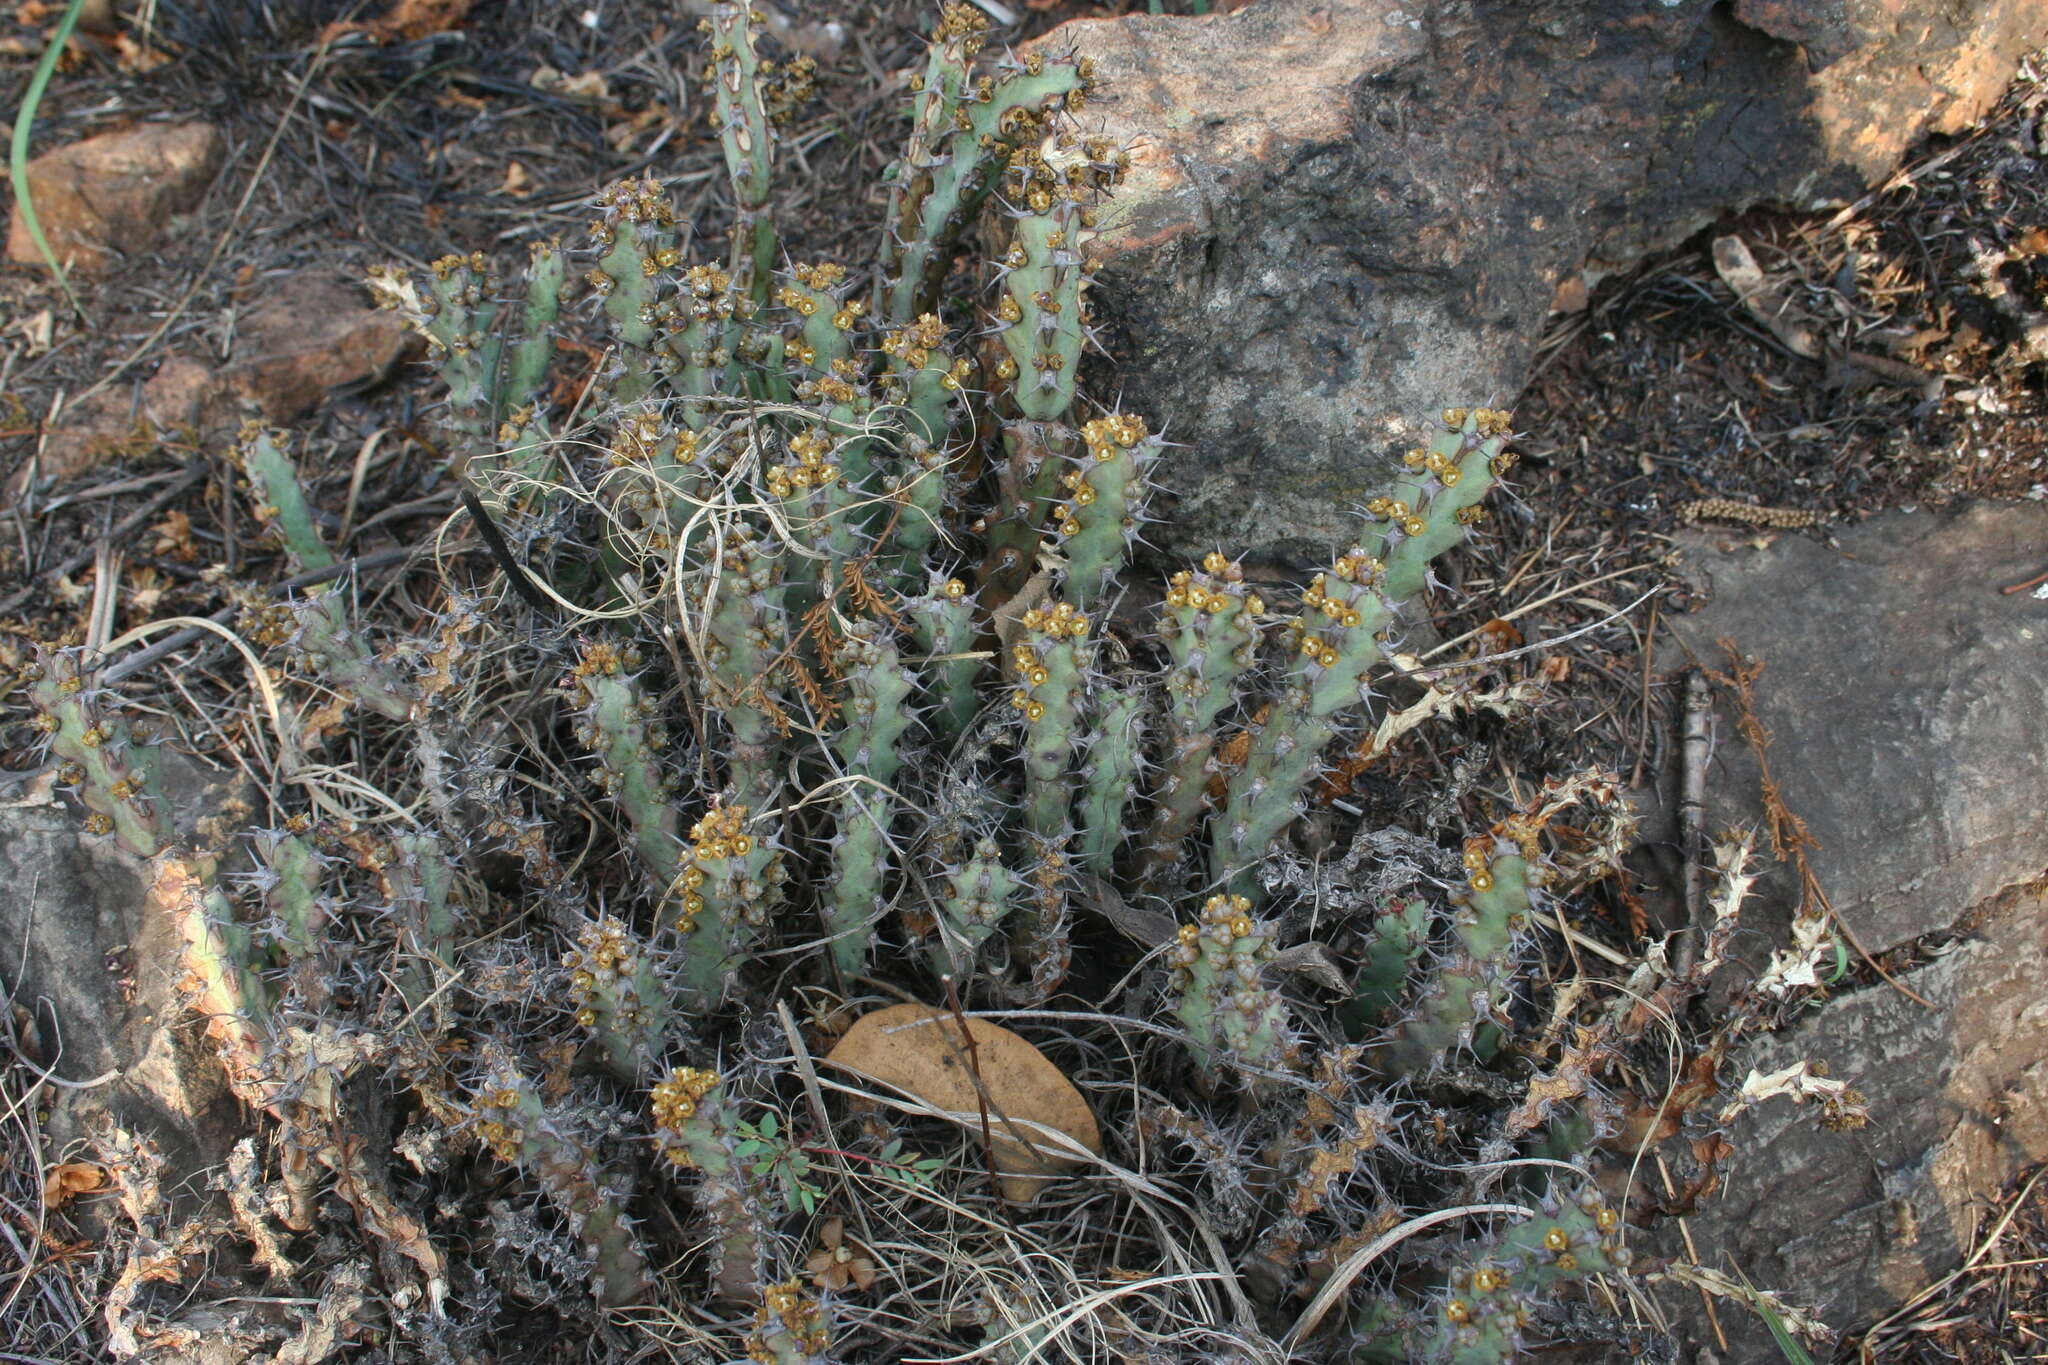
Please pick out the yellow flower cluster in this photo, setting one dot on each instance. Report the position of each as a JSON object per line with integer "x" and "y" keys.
{"x": 798, "y": 1313}
{"x": 602, "y": 966}
{"x": 1107, "y": 437}
{"x": 811, "y": 470}
{"x": 675, "y": 1102}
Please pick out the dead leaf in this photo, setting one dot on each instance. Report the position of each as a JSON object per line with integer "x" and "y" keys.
{"x": 69, "y": 1179}
{"x": 923, "y": 1053}
{"x": 518, "y": 181}
{"x": 586, "y": 85}
{"x": 39, "y": 330}
{"x": 406, "y": 21}
{"x": 137, "y": 58}
{"x": 146, "y": 589}
{"x": 1764, "y": 300}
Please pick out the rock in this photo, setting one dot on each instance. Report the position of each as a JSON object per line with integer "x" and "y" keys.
{"x": 307, "y": 335}
{"x": 1854, "y": 1224}
{"x": 116, "y": 194}
{"x": 1908, "y": 699}
{"x": 131, "y": 421}
{"x": 1344, "y": 216}
{"x": 100, "y": 979}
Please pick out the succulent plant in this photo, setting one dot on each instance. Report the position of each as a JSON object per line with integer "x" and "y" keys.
{"x": 840, "y": 692}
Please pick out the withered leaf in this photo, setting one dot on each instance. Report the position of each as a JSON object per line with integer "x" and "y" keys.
{"x": 923, "y": 1053}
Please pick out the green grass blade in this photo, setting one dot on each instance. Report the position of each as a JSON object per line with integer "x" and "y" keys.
{"x": 17, "y": 151}
{"x": 1788, "y": 1345}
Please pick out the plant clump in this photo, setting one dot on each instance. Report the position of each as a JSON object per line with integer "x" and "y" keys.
{"x": 814, "y": 675}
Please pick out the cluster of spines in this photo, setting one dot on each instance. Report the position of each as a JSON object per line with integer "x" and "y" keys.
{"x": 494, "y": 372}
{"x": 923, "y": 377}
{"x": 419, "y": 878}
{"x": 97, "y": 754}
{"x": 618, "y": 995}
{"x": 1218, "y": 980}
{"x": 980, "y": 894}
{"x": 964, "y": 132}
{"x": 943, "y": 621}
{"x": 1466, "y": 994}
{"x": 1097, "y": 518}
{"x": 1047, "y": 664}
{"x": 636, "y": 233}
{"x": 1041, "y": 311}
{"x": 521, "y": 1129}
{"x": 280, "y": 501}
{"x": 290, "y": 880}
{"x": 874, "y": 716}
{"x": 748, "y": 646}
{"x": 1109, "y": 779}
{"x": 327, "y": 643}
{"x": 730, "y": 887}
{"x": 621, "y": 726}
{"x": 1394, "y": 943}
{"x": 749, "y": 97}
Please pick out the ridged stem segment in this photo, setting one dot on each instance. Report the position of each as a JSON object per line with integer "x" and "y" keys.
{"x": 116, "y": 778}
{"x": 1218, "y": 967}
{"x": 874, "y": 717}
{"x": 1210, "y": 627}
{"x": 1339, "y": 640}
{"x": 696, "y": 1129}
{"x": 980, "y": 894}
{"x": 1467, "y": 995}
{"x": 963, "y": 133}
{"x": 520, "y": 1129}
{"x": 619, "y": 996}
{"x": 280, "y": 501}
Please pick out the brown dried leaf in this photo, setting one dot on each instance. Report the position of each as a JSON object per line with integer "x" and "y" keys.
{"x": 71, "y": 1178}
{"x": 923, "y": 1053}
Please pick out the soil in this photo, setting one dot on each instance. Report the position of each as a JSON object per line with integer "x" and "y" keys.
{"x": 352, "y": 148}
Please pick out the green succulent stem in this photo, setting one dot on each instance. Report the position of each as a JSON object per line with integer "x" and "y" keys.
{"x": 1339, "y": 640}
{"x": 1465, "y": 999}
{"x": 116, "y": 778}
{"x": 522, "y": 1130}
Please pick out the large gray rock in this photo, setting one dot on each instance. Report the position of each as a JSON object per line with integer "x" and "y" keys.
{"x": 1908, "y": 700}
{"x": 1345, "y": 215}
{"x": 1855, "y": 1224}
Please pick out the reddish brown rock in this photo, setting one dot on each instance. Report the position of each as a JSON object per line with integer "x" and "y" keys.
{"x": 1853, "y": 1225}
{"x": 116, "y": 194}
{"x": 131, "y": 420}
{"x": 1345, "y": 215}
{"x": 306, "y": 335}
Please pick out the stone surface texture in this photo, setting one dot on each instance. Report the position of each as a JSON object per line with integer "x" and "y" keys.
{"x": 307, "y": 334}
{"x": 1908, "y": 702}
{"x": 101, "y": 979}
{"x": 116, "y": 194}
{"x": 1344, "y": 215}
{"x": 1854, "y": 1224}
